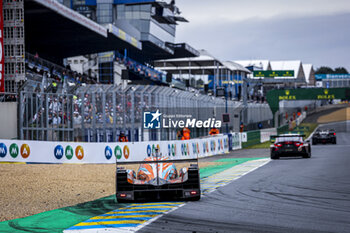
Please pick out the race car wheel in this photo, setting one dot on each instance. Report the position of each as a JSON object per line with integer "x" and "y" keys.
{"x": 307, "y": 155}
{"x": 314, "y": 142}
{"x": 274, "y": 156}
{"x": 334, "y": 141}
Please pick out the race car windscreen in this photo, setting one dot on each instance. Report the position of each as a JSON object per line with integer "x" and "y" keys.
{"x": 157, "y": 173}
{"x": 289, "y": 139}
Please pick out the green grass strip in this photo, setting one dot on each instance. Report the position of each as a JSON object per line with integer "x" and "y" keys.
{"x": 60, "y": 219}
{"x": 226, "y": 164}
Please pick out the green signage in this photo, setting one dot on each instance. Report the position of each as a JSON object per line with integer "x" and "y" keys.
{"x": 274, "y": 96}
{"x": 274, "y": 74}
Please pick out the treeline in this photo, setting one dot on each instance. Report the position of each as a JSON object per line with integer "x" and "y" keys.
{"x": 328, "y": 70}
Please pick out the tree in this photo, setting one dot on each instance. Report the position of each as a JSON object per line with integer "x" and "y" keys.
{"x": 324, "y": 70}
{"x": 340, "y": 70}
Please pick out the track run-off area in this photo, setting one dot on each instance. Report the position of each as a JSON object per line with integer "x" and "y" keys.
{"x": 105, "y": 214}
{"x": 247, "y": 193}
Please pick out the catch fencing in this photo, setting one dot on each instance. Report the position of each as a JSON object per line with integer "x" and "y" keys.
{"x": 100, "y": 113}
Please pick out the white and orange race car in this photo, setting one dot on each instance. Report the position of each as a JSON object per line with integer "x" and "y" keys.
{"x": 158, "y": 179}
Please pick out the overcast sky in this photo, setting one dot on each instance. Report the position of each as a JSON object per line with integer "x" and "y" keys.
{"x": 314, "y": 31}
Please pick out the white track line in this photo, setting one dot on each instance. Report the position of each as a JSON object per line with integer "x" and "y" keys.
{"x": 264, "y": 163}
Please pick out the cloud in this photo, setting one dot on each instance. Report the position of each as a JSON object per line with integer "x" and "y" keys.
{"x": 316, "y": 39}
{"x": 200, "y": 12}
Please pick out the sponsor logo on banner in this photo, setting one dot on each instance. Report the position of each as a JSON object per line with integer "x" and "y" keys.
{"x": 69, "y": 152}
{"x": 212, "y": 145}
{"x": 118, "y": 152}
{"x": 169, "y": 150}
{"x": 126, "y": 152}
{"x": 188, "y": 149}
{"x": 173, "y": 149}
{"x": 14, "y": 150}
{"x": 79, "y": 152}
{"x": 153, "y": 150}
{"x": 58, "y": 152}
{"x": 108, "y": 152}
{"x": 149, "y": 151}
{"x": 25, "y": 151}
{"x": 183, "y": 149}
{"x": 3, "y": 150}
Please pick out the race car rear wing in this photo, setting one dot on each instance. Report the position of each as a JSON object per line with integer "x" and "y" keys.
{"x": 159, "y": 161}
{"x": 158, "y": 158}
{"x": 273, "y": 137}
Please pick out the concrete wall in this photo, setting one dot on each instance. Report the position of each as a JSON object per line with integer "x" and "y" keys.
{"x": 8, "y": 120}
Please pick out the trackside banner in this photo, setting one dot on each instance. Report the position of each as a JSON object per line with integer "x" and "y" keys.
{"x": 73, "y": 152}
{"x": 2, "y": 57}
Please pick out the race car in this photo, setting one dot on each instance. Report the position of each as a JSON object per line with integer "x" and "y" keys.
{"x": 158, "y": 179}
{"x": 324, "y": 136}
{"x": 287, "y": 145}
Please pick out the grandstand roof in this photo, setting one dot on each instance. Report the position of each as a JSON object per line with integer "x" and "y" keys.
{"x": 261, "y": 64}
{"x": 203, "y": 56}
{"x": 289, "y": 65}
{"x": 235, "y": 66}
{"x": 55, "y": 32}
{"x": 205, "y": 63}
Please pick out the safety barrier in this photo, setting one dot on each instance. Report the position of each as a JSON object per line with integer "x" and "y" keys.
{"x": 73, "y": 152}
{"x": 250, "y": 138}
{"x": 266, "y": 133}
{"x": 235, "y": 141}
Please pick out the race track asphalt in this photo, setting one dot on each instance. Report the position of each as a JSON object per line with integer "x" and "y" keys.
{"x": 286, "y": 195}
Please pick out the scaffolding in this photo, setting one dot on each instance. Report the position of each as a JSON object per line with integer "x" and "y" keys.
{"x": 13, "y": 14}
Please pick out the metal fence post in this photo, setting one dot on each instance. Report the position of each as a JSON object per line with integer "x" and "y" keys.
{"x": 94, "y": 131}
{"x": 132, "y": 115}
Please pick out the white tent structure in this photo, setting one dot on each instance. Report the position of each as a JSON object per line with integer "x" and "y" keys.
{"x": 255, "y": 64}
{"x": 309, "y": 74}
{"x": 296, "y": 66}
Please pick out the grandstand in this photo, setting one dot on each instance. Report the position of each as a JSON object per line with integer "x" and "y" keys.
{"x": 58, "y": 103}
{"x": 209, "y": 69}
